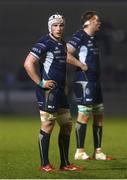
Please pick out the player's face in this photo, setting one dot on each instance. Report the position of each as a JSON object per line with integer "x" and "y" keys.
{"x": 57, "y": 30}
{"x": 96, "y": 23}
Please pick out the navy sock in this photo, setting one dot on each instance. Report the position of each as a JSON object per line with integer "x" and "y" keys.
{"x": 44, "y": 139}
{"x": 63, "y": 141}
{"x": 97, "y": 136}
{"x": 80, "y": 131}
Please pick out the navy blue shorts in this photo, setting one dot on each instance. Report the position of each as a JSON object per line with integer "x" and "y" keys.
{"x": 51, "y": 100}
{"x": 88, "y": 93}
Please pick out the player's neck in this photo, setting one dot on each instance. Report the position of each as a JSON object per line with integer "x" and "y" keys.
{"x": 55, "y": 38}
{"x": 89, "y": 31}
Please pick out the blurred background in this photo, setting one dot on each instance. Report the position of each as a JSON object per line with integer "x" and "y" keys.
{"x": 22, "y": 22}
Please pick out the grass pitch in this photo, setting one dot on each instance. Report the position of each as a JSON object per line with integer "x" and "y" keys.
{"x": 19, "y": 154}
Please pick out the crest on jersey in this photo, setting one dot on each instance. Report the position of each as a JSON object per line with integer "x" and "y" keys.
{"x": 87, "y": 91}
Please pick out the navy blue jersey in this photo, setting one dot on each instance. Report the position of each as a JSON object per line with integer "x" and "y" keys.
{"x": 87, "y": 51}
{"x": 52, "y": 57}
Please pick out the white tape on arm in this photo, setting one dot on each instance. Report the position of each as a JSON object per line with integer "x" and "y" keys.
{"x": 42, "y": 83}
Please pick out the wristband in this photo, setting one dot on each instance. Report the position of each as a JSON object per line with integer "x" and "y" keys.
{"x": 42, "y": 83}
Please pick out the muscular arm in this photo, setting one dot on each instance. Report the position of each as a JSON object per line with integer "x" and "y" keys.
{"x": 31, "y": 66}
{"x": 74, "y": 61}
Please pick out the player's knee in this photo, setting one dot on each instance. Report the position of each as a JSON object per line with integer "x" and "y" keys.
{"x": 98, "y": 120}
{"x": 98, "y": 109}
{"x": 85, "y": 110}
{"x": 47, "y": 126}
{"x": 83, "y": 118}
{"x": 64, "y": 119}
{"x": 47, "y": 121}
{"x": 45, "y": 116}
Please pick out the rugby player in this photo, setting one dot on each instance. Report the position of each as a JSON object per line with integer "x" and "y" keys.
{"x": 83, "y": 48}
{"x": 46, "y": 66}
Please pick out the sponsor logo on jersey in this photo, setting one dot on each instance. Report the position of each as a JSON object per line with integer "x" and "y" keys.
{"x": 56, "y": 48}
{"x": 40, "y": 103}
{"x": 89, "y": 99}
{"x": 87, "y": 91}
{"x": 36, "y": 50}
{"x": 62, "y": 61}
{"x": 57, "y": 51}
{"x": 95, "y": 50}
{"x": 89, "y": 45}
{"x": 51, "y": 107}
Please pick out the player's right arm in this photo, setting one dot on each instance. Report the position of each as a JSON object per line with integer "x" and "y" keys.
{"x": 72, "y": 46}
{"x": 31, "y": 66}
{"x": 71, "y": 59}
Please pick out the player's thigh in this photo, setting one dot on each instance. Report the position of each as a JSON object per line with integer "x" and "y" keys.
{"x": 97, "y": 93}
{"x": 48, "y": 100}
{"x": 84, "y": 92}
{"x": 63, "y": 102}
{"x": 79, "y": 89}
{"x": 88, "y": 93}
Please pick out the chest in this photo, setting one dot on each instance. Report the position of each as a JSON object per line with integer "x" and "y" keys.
{"x": 90, "y": 45}
{"x": 58, "y": 49}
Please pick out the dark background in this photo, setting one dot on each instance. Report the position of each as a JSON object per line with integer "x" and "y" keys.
{"x": 22, "y": 22}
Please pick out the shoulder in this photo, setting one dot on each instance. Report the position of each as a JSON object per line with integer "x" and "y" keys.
{"x": 78, "y": 36}
{"x": 45, "y": 42}
{"x": 76, "y": 39}
{"x": 40, "y": 46}
{"x": 79, "y": 33}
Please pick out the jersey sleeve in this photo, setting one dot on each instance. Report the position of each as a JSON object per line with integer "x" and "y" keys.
{"x": 38, "y": 50}
{"x": 74, "y": 42}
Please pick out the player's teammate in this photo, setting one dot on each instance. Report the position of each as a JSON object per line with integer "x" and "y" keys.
{"x": 46, "y": 66}
{"x": 83, "y": 47}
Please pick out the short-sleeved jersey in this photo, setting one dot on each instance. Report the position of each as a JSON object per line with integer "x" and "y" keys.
{"x": 87, "y": 51}
{"x": 52, "y": 58}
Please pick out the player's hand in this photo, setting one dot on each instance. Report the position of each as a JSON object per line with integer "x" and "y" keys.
{"x": 49, "y": 84}
{"x": 84, "y": 67}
